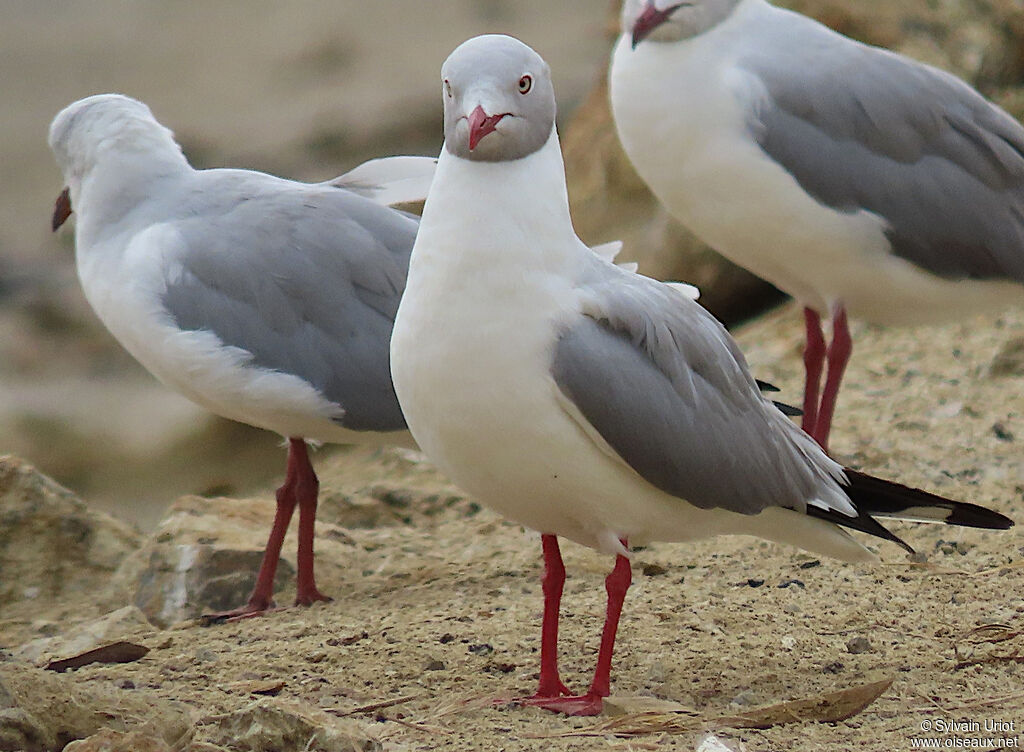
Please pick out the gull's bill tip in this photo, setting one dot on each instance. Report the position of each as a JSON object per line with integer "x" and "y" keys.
{"x": 61, "y": 210}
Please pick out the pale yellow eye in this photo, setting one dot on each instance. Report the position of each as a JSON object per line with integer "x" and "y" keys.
{"x": 447, "y": 87}
{"x": 525, "y": 84}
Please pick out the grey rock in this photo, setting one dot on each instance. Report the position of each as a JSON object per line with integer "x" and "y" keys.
{"x": 41, "y": 711}
{"x": 202, "y": 557}
{"x": 280, "y": 724}
{"x": 858, "y": 644}
{"x": 51, "y": 543}
{"x": 117, "y": 625}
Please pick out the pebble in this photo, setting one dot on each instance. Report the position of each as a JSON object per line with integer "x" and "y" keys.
{"x": 858, "y": 644}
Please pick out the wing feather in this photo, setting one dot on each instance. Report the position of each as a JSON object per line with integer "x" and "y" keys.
{"x": 307, "y": 281}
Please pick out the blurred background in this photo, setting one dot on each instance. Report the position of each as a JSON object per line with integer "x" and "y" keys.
{"x": 307, "y": 91}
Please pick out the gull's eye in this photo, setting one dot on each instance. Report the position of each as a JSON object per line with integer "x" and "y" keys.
{"x": 447, "y": 87}
{"x": 525, "y": 84}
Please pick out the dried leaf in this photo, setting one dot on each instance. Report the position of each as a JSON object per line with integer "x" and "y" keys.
{"x": 614, "y": 706}
{"x": 269, "y": 687}
{"x": 374, "y": 706}
{"x": 991, "y": 633}
{"x": 826, "y": 708}
{"x": 116, "y": 652}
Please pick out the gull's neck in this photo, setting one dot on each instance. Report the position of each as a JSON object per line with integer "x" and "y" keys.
{"x": 487, "y": 216}
{"x": 120, "y": 179}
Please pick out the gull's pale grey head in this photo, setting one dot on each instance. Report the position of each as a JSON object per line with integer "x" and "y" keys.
{"x": 90, "y": 130}
{"x": 672, "y": 20}
{"x": 499, "y": 103}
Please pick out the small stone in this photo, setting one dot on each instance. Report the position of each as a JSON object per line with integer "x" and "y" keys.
{"x": 834, "y": 667}
{"x": 792, "y": 608}
{"x": 711, "y": 742}
{"x": 788, "y": 642}
{"x": 790, "y": 583}
{"x": 500, "y": 668}
{"x": 810, "y": 564}
{"x": 1001, "y": 432}
{"x": 654, "y": 570}
{"x": 745, "y": 698}
{"x": 434, "y": 665}
{"x": 1010, "y": 359}
{"x": 482, "y": 649}
{"x": 755, "y": 582}
{"x": 858, "y": 644}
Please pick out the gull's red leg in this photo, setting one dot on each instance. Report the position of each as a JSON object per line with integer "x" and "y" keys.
{"x": 550, "y": 685}
{"x": 838, "y": 356}
{"x": 616, "y": 585}
{"x": 261, "y": 600}
{"x": 307, "y": 488}
{"x": 814, "y": 362}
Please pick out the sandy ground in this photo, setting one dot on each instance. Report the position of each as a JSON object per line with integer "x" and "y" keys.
{"x": 440, "y": 601}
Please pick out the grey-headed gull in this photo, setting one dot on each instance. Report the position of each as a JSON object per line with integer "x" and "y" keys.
{"x": 584, "y": 401}
{"x": 263, "y": 300}
{"x": 853, "y": 178}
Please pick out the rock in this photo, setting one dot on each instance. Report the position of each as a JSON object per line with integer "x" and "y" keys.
{"x": 42, "y": 711}
{"x": 51, "y": 544}
{"x": 1009, "y": 361}
{"x": 278, "y": 724}
{"x": 653, "y": 570}
{"x": 116, "y": 625}
{"x": 858, "y": 644}
{"x": 108, "y": 740}
{"x": 202, "y": 557}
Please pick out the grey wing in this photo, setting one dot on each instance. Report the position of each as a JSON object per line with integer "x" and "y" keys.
{"x": 308, "y": 281}
{"x": 864, "y": 128}
{"x": 666, "y": 387}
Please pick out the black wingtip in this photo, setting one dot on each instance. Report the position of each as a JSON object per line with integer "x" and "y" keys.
{"x": 863, "y": 522}
{"x": 966, "y": 514}
{"x": 766, "y": 386}
{"x": 886, "y": 498}
{"x": 793, "y": 412}
{"x": 875, "y": 497}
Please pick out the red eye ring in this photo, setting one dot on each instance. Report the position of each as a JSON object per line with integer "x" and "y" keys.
{"x": 525, "y": 84}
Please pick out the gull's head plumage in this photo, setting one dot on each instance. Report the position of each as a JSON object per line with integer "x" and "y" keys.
{"x": 499, "y": 102}
{"x": 106, "y": 128}
{"x": 671, "y": 20}
{"x": 84, "y": 132}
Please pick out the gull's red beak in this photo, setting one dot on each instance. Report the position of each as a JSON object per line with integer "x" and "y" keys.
{"x": 480, "y": 124}
{"x": 650, "y": 20}
{"x": 62, "y": 209}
